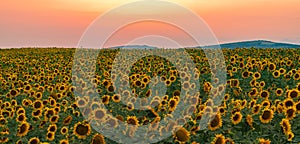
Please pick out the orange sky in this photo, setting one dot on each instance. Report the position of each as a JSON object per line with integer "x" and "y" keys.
{"x": 61, "y": 23}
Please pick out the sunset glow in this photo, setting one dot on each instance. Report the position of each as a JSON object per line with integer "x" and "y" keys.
{"x": 61, "y": 23}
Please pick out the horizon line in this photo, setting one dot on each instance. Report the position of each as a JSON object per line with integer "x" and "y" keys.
{"x": 227, "y": 42}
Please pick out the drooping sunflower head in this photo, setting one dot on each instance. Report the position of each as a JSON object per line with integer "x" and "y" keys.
{"x": 285, "y": 125}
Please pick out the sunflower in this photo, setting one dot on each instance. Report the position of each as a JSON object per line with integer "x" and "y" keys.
{"x": 64, "y": 130}
{"x": 256, "y": 75}
{"x": 222, "y": 110}
{"x": 34, "y": 140}
{"x": 264, "y": 94}
{"x": 4, "y": 139}
{"x": 249, "y": 120}
{"x": 67, "y": 120}
{"x": 27, "y": 88}
{"x": 272, "y": 66}
{"x": 98, "y": 139}
{"x": 105, "y": 99}
{"x": 243, "y": 103}
{"x": 234, "y": 83}
{"x": 215, "y": 123}
{"x": 119, "y": 117}
{"x": 182, "y": 135}
{"x": 297, "y": 76}
{"x": 82, "y": 130}
{"x": 172, "y": 104}
{"x": 25, "y": 102}
{"x": 54, "y": 119}
{"x": 264, "y": 141}
{"x": 23, "y": 129}
{"x": 266, "y": 103}
{"x": 112, "y": 122}
{"x": 236, "y": 118}
{"x": 64, "y": 141}
{"x": 256, "y": 109}
{"x": 138, "y": 83}
{"x": 282, "y": 70}
{"x": 14, "y": 103}
{"x": 173, "y": 78}
{"x": 280, "y": 108}
{"x": 219, "y": 139}
{"x": 186, "y": 85}
{"x": 266, "y": 116}
{"x": 81, "y": 102}
{"x": 285, "y": 125}
{"x": 290, "y": 136}
{"x": 52, "y": 102}
{"x": 21, "y": 118}
{"x": 50, "y": 136}
{"x": 36, "y": 113}
{"x": 297, "y": 106}
{"x": 99, "y": 114}
{"x": 175, "y": 93}
{"x": 132, "y": 120}
{"x": 226, "y": 97}
{"x": 290, "y": 113}
{"x": 38, "y": 104}
{"x": 253, "y": 92}
{"x": 168, "y": 82}
{"x": 288, "y": 102}
{"x": 14, "y": 92}
{"x": 110, "y": 88}
{"x": 116, "y": 98}
{"x": 245, "y": 74}
{"x": 276, "y": 74}
{"x": 130, "y": 106}
{"x": 293, "y": 93}
{"x": 279, "y": 92}
{"x": 3, "y": 121}
{"x": 52, "y": 128}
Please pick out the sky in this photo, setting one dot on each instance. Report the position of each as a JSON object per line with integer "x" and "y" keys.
{"x": 49, "y": 23}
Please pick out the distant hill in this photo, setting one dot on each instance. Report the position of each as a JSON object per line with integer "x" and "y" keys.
{"x": 242, "y": 44}
{"x": 256, "y": 44}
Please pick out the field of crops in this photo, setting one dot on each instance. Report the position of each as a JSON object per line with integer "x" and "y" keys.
{"x": 39, "y": 102}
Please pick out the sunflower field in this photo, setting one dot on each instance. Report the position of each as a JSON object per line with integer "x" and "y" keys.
{"x": 260, "y": 103}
